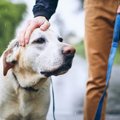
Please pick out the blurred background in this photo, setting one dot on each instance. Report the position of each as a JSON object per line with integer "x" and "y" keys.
{"x": 69, "y": 89}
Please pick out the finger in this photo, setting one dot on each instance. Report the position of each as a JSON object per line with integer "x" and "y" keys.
{"x": 21, "y": 38}
{"x": 30, "y": 29}
{"x": 22, "y": 35}
{"x": 45, "y": 25}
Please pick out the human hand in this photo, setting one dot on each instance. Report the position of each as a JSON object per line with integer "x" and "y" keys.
{"x": 37, "y": 22}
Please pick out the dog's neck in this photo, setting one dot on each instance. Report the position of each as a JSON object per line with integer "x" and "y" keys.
{"x": 28, "y": 80}
{"x": 29, "y": 89}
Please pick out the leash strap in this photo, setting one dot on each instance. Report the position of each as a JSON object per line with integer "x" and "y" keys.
{"x": 116, "y": 38}
{"x": 53, "y": 97}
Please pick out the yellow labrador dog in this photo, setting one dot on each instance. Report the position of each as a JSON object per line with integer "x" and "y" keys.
{"x": 25, "y": 75}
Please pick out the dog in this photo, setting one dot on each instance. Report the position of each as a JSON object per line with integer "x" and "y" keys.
{"x": 26, "y": 72}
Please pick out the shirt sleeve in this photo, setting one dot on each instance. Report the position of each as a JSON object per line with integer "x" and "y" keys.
{"x": 45, "y": 8}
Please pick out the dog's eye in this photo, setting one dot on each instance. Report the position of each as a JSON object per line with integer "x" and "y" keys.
{"x": 40, "y": 40}
{"x": 60, "y": 39}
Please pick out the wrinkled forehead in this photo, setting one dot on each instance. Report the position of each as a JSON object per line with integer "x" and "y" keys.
{"x": 48, "y": 34}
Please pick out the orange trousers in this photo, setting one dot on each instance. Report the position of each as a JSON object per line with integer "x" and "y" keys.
{"x": 99, "y": 24}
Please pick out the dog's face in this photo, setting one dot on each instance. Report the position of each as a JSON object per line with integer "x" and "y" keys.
{"x": 45, "y": 55}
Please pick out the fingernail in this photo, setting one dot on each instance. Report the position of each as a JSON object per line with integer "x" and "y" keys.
{"x": 26, "y": 41}
{"x": 22, "y": 44}
{"x": 42, "y": 28}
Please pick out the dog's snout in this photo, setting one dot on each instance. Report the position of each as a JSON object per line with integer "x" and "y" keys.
{"x": 68, "y": 50}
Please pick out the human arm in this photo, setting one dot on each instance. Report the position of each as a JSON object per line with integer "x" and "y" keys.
{"x": 45, "y": 8}
{"x": 42, "y": 10}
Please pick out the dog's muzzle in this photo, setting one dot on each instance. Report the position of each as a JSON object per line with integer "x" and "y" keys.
{"x": 68, "y": 54}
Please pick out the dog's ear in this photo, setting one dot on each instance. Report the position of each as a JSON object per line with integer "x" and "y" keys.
{"x": 10, "y": 58}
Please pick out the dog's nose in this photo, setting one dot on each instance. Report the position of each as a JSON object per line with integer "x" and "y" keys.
{"x": 68, "y": 50}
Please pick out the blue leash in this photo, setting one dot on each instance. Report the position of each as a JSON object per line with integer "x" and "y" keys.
{"x": 116, "y": 38}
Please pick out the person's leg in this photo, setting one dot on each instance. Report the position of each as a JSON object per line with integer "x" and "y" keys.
{"x": 99, "y": 23}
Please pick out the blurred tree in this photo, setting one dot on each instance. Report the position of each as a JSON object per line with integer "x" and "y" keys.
{"x": 10, "y": 16}
{"x": 81, "y": 3}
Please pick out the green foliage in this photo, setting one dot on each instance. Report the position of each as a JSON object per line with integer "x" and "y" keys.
{"x": 81, "y": 51}
{"x": 10, "y": 17}
{"x": 117, "y": 57}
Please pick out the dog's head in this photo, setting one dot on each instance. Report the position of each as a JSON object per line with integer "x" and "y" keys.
{"x": 46, "y": 55}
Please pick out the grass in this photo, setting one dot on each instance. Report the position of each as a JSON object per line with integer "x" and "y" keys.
{"x": 81, "y": 52}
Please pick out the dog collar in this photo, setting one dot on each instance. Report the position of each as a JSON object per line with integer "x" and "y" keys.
{"x": 29, "y": 89}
